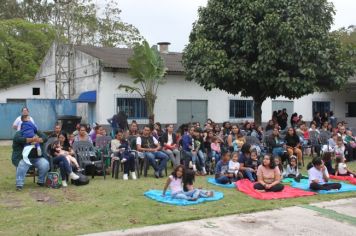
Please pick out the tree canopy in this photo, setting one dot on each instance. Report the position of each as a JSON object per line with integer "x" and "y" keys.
{"x": 264, "y": 49}
{"x": 23, "y": 46}
{"x": 88, "y": 24}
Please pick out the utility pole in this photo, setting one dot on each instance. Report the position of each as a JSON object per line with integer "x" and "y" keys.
{"x": 64, "y": 50}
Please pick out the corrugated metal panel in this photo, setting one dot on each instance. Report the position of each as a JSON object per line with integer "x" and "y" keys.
{"x": 8, "y": 114}
{"x": 44, "y": 111}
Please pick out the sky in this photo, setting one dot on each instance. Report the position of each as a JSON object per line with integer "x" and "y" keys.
{"x": 171, "y": 20}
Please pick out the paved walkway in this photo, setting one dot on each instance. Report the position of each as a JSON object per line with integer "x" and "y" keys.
{"x": 326, "y": 218}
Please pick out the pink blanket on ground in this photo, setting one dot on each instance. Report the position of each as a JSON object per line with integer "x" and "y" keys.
{"x": 351, "y": 180}
{"x": 246, "y": 187}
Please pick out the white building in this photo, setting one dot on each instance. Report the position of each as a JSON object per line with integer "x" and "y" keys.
{"x": 99, "y": 71}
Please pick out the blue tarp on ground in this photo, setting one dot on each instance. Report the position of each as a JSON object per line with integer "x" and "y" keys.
{"x": 304, "y": 184}
{"x": 157, "y": 196}
{"x": 212, "y": 181}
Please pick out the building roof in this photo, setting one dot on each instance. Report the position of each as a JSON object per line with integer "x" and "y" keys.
{"x": 117, "y": 57}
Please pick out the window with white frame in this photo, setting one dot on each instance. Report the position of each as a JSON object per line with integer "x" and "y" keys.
{"x": 241, "y": 109}
{"x": 135, "y": 108}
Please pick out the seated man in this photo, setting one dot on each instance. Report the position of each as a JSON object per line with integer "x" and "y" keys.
{"x": 57, "y": 131}
{"x": 150, "y": 146}
{"x": 22, "y": 167}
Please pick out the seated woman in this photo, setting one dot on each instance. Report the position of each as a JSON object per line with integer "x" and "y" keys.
{"x": 232, "y": 139}
{"x": 319, "y": 177}
{"x": 170, "y": 145}
{"x": 120, "y": 150}
{"x": 82, "y": 135}
{"x": 268, "y": 176}
{"x": 293, "y": 144}
{"x": 64, "y": 165}
{"x": 276, "y": 144}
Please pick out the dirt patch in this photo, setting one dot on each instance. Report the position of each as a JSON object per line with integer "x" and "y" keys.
{"x": 12, "y": 203}
{"x": 42, "y": 197}
{"x": 71, "y": 195}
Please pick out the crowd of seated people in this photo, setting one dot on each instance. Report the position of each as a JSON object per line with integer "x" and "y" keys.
{"x": 208, "y": 148}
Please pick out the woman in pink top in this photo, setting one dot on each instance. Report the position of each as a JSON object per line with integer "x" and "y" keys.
{"x": 268, "y": 176}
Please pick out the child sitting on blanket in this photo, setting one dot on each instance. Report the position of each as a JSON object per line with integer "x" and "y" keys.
{"x": 222, "y": 175}
{"x": 292, "y": 170}
{"x": 341, "y": 168}
{"x": 175, "y": 181}
{"x": 234, "y": 165}
{"x": 188, "y": 181}
{"x": 319, "y": 177}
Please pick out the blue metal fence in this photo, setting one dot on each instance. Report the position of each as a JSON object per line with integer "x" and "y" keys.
{"x": 8, "y": 114}
{"x": 44, "y": 111}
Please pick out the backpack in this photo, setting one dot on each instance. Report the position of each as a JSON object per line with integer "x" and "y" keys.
{"x": 83, "y": 180}
{"x": 53, "y": 180}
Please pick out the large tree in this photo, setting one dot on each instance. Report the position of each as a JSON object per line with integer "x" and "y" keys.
{"x": 89, "y": 23}
{"x": 147, "y": 69}
{"x": 23, "y": 46}
{"x": 266, "y": 48}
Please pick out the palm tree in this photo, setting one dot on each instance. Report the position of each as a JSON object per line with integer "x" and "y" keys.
{"x": 147, "y": 69}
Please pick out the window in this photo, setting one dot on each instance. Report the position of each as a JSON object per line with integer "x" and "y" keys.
{"x": 351, "y": 109}
{"x": 321, "y": 107}
{"x": 135, "y": 108}
{"x": 241, "y": 109}
{"x": 35, "y": 91}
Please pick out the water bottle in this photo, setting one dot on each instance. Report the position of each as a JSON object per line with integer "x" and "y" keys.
{"x": 39, "y": 151}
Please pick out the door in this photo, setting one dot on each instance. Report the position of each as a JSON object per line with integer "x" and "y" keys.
{"x": 189, "y": 111}
{"x": 91, "y": 113}
{"x": 280, "y": 105}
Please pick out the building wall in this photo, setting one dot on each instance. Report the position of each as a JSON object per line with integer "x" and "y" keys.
{"x": 218, "y": 101}
{"x": 23, "y": 91}
{"x": 86, "y": 75}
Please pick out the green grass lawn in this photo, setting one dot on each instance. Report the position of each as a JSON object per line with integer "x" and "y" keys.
{"x": 112, "y": 204}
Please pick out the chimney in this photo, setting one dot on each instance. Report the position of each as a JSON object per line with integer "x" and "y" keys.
{"x": 163, "y": 47}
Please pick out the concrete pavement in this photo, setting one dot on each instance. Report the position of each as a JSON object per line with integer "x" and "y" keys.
{"x": 326, "y": 218}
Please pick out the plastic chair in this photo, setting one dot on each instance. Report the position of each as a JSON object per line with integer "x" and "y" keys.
{"x": 87, "y": 158}
{"x": 102, "y": 146}
{"x": 315, "y": 142}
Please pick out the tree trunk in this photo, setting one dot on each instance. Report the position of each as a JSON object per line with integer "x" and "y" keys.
{"x": 257, "y": 110}
{"x": 150, "y": 105}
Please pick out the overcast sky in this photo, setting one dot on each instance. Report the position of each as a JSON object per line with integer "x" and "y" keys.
{"x": 171, "y": 20}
